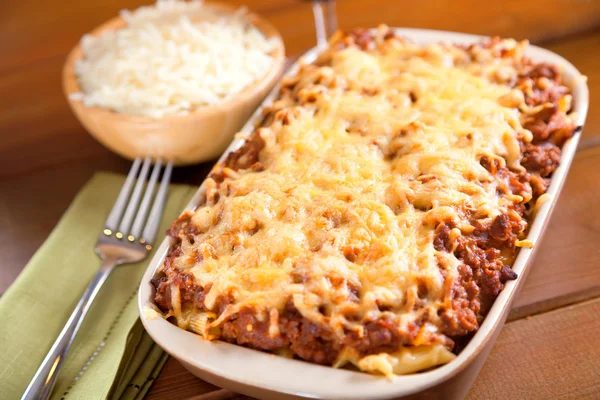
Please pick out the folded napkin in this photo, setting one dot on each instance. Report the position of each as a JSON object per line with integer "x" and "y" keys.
{"x": 112, "y": 356}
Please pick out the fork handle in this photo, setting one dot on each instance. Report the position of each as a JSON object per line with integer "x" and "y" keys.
{"x": 44, "y": 379}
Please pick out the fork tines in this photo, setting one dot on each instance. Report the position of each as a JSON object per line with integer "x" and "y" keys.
{"x": 128, "y": 219}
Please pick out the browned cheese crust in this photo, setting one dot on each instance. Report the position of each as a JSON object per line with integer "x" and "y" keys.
{"x": 485, "y": 251}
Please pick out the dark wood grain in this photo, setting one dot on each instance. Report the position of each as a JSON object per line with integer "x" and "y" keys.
{"x": 41, "y": 29}
{"x": 554, "y": 355}
{"x": 221, "y": 394}
{"x": 175, "y": 383}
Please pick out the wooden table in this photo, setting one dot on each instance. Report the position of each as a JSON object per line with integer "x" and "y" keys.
{"x": 550, "y": 348}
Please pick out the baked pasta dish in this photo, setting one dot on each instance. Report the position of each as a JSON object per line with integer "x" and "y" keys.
{"x": 372, "y": 216}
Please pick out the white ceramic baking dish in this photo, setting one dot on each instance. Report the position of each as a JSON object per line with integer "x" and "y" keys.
{"x": 267, "y": 376}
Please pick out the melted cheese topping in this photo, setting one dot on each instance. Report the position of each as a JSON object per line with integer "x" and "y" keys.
{"x": 361, "y": 163}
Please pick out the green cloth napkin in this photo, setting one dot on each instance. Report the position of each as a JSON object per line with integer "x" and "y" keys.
{"x": 112, "y": 356}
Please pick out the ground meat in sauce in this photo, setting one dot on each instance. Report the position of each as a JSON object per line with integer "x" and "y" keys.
{"x": 190, "y": 292}
{"x": 482, "y": 275}
{"x": 308, "y": 340}
{"x": 543, "y": 159}
{"x": 247, "y": 155}
{"x": 162, "y": 294}
{"x": 381, "y": 335}
{"x": 246, "y": 329}
{"x": 442, "y": 236}
{"x": 549, "y": 124}
{"x": 179, "y": 224}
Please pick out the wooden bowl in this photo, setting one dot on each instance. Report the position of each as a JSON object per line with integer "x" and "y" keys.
{"x": 201, "y": 135}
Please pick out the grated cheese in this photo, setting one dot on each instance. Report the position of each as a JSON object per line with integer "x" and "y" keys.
{"x": 352, "y": 187}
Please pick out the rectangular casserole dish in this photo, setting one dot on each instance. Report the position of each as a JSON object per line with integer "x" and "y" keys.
{"x": 267, "y": 376}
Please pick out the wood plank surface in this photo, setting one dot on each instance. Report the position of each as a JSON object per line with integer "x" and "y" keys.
{"x": 549, "y": 356}
{"x": 177, "y": 383}
{"x": 40, "y": 29}
{"x": 46, "y": 156}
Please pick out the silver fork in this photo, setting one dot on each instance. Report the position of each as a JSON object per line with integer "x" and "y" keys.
{"x": 127, "y": 237}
